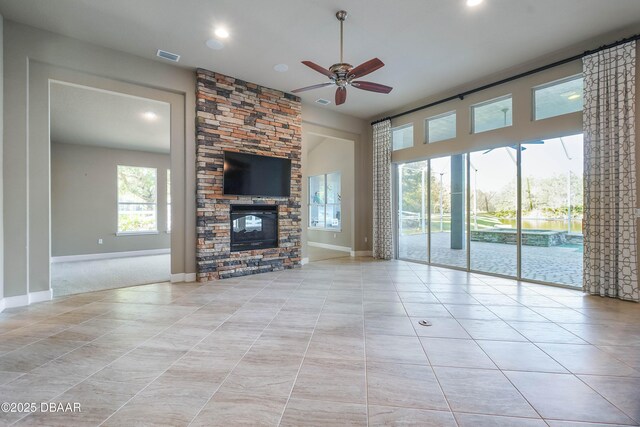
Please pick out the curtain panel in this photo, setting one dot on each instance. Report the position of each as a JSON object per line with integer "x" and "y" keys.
{"x": 382, "y": 215}
{"x": 610, "y": 258}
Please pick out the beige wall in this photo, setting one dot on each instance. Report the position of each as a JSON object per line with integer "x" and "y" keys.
{"x": 84, "y": 200}
{"x": 332, "y": 155}
{"x": 319, "y": 121}
{"x": 524, "y": 127}
{"x": 32, "y": 58}
{"x": 1, "y": 150}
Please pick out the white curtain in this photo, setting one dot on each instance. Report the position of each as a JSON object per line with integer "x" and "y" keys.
{"x": 382, "y": 220}
{"x": 610, "y": 258}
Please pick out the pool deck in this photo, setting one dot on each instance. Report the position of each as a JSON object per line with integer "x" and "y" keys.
{"x": 554, "y": 264}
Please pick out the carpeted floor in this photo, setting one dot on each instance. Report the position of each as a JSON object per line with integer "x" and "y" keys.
{"x": 69, "y": 278}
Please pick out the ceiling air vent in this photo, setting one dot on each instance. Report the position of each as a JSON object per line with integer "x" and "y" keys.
{"x": 323, "y": 101}
{"x": 168, "y": 55}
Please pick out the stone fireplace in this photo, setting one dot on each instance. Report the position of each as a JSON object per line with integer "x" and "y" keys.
{"x": 240, "y": 235}
{"x": 254, "y": 227}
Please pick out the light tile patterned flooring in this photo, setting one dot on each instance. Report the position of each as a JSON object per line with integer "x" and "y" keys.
{"x": 334, "y": 343}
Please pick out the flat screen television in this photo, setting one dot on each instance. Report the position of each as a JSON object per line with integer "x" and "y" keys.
{"x": 253, "y": 175}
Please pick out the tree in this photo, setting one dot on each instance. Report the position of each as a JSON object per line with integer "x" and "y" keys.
{"x": 136, "y": 184}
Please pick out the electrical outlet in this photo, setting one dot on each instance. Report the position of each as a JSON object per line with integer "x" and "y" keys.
{"x": 335, "y": 235}
{"x": 99, "y": 241}
{"x": 366, "y": 239}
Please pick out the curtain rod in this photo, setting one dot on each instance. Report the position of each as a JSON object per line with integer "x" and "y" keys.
{"x": 461, "y": 96}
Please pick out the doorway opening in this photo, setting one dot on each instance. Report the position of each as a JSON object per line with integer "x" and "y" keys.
{"x": 110, "y": 189}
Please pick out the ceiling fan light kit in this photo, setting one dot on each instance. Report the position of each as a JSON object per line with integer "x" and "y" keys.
{"x": 343, "y": 74}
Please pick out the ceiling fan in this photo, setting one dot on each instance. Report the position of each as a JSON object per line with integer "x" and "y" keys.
{"x": 343, "y": 74}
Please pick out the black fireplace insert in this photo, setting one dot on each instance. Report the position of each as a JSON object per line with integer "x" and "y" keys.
{"x": 254, "y": 227}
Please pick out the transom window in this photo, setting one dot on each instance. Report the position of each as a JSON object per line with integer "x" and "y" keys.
{"x": 402, "y": 137}
{"x": 558, "y": 98}
{"x": 137, "y": 200}
{"x": 490, "y": 115}
{"x": 324, "y": 202}
{"x": 441, "y": 127}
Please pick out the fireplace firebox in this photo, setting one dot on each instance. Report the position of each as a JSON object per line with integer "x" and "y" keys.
{"x": 254, "y": 227}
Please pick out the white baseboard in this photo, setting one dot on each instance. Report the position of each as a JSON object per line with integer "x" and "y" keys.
{"x": 109, "y": 255}
{"x": 361, "y": 253}
{"x": 328, "y": 246}
{"x": 304, "y": 261}
{"x": 183, "y": 277}
{"x": 22, "y": 300}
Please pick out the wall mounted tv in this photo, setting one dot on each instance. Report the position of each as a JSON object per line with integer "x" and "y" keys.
{"x": 252, "y": 175}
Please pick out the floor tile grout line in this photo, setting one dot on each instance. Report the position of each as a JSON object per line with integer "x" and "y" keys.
{"x": 304, "y": 356}
{"x": 149, "y": 383}
{"x": 52, "y": 335}
{"x": 502, "y": 373}
{"x": 509, "y": 295}
{"x": 605, "y": 398}
{"x": 89, "y": 376}
{"x": 245, "y": 353}
{"x": 71, "y": 351}
{"x": 444, "y": 395}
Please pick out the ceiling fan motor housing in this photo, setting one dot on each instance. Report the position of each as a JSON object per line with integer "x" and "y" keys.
{"x": 341, "y": 71}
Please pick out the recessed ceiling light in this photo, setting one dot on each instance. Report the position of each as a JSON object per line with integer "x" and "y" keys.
{"x": 222, "y": 33}
{"x": 323, "y": 101}
{"x": 472, "y": 3}
{"x": 215, "y": 44}
{"x": 150, "y": 115}
{"x": 281, "y": 68}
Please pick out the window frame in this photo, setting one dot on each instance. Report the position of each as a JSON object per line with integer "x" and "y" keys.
{"x": 436, "y": 117}
{"x": 551, "y": 84}
{"x": 325, "y": 204}
{"x": 472, "y": 113}
{"x": 118, "y": 203}
{"x": 406, "y": 125}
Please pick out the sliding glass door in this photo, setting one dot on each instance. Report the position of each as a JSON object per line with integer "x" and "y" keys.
{"x": 493, "y": 211}
{"x": 447, "y": 200}
{"x": 412, "y": 211}
{"x": 552, "y": 194}
{"x": 463, "y": 211}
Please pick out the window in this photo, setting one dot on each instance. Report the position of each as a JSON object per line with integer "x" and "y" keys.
{"x": 168, "y": 200}
{"x": 558, "y": 98}
{"x": 324, "y": 202}
{"x": 440, "y": 128}
{"x": 137, "y": 200}
{"x": 402, "y": 137}
{"x": 494, "y": 114}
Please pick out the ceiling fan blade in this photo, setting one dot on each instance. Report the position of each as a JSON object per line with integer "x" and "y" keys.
{"x": 318, "y": 86}
{"x": 319, "y": 69}
{"x": 366, "y": 68}
{"x": 372, "y": 87}
{"x": 341, "y": 95}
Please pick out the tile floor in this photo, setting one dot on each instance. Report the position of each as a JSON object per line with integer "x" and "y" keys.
{"x": 334, "y": 343}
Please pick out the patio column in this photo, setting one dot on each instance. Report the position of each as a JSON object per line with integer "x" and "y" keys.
{"x": 457, "y": 201}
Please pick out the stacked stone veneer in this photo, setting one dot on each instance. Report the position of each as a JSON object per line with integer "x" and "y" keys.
{"x": 234, "y": 115}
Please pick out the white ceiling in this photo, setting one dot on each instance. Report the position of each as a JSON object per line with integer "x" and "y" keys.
{"x": 428, "y": 45}
{"x": 85, "y": 116}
